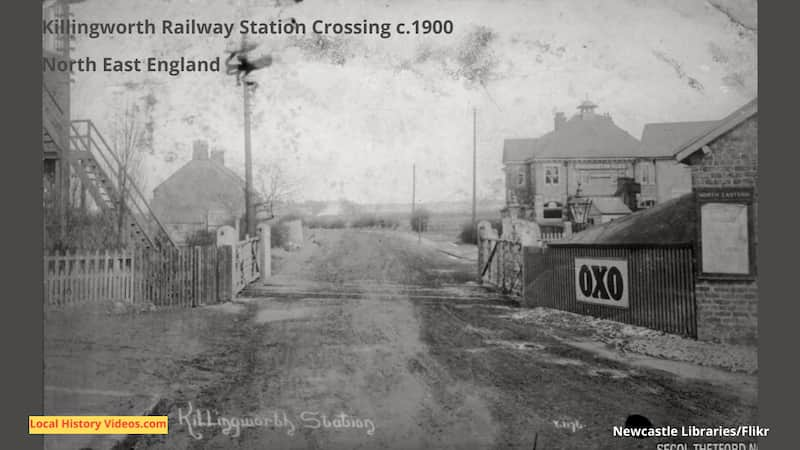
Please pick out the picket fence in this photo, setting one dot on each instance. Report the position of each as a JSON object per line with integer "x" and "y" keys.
{"x": 551, "y": 236}
{"x": 180, "y": 277}
{"x": 88, "y": 277}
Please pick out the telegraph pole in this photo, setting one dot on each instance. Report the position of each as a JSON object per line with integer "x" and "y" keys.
{"x": 413, "y": 188}
{"x": 474, "y": 162}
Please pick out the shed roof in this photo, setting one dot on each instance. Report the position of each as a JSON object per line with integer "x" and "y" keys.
{"x": 671, "y": 222}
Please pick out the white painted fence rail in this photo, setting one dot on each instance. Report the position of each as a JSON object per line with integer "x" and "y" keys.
{"x": 553, "y": 236}
{"x": 88, "y": 277}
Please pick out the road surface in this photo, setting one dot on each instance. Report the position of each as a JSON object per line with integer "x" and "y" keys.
{"x": 372, "y": 340}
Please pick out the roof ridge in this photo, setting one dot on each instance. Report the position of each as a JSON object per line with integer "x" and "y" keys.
{"x": 680, "y": 122}
{"x": 724, "y": 125}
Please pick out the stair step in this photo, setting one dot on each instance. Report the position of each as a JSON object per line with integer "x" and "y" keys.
{"x": 81, "y": 155}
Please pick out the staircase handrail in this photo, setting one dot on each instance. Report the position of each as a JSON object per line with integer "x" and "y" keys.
{"x": 48, "y": 101}
{"x": 52, "y": 98}
{"x": 141, "y": 205}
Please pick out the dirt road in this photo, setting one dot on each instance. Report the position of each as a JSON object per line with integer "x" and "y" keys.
{"x": 366, "y": 340}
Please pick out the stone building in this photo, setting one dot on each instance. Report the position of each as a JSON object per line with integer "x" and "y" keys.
{"x": 204, "y": 194}
{"x": 700, "y": 248}
{"x": 724, "y": 169}
{"x": 590, "y": 152}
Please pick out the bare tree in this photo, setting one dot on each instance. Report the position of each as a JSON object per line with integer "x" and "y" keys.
{"x": 274, "y": 184}
{"x": 128, "y": 134}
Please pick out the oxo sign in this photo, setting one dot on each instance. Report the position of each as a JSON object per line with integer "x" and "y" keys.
{"x": 602, "y": 281}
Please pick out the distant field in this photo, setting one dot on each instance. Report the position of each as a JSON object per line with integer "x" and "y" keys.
{"x": 448, "y": 223}
{"x": 444, "y": 223}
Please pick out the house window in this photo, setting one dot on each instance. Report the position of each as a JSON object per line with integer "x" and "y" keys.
{"x": 521, "y": 176}
{"x": 552, "y": 210}
{"x": 552, "y": 213}
{"x": 551, "y": 172}
{"x": 52, "y": 42}
{"x": 645, "y": 203}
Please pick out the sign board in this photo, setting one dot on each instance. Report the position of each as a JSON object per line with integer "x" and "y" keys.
{"x": 725, "y": 243}
{"x": 602, "y": 281}
{"x": 595, "y": 166}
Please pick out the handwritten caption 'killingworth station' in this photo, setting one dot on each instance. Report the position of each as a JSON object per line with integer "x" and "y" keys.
{"x": 194, "y": 27}
{"x": 196, "y": 419}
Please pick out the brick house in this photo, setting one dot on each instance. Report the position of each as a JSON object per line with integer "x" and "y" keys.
{"x": 589, "y": 151}
{"x": 724, "y": 165}
{"x": 204, "y": 194}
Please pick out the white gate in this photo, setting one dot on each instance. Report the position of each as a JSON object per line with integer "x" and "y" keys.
{"x": 245, "y": 264}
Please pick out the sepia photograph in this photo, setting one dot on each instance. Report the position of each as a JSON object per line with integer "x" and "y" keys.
{"x": 404, "y": 224}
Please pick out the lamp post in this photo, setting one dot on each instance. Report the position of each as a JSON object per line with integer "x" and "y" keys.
{"x": 579, "y": 207}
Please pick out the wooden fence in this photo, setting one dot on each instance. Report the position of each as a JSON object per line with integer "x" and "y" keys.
{"x": 182, "y": 277}
{"x": 177, "y": 277}
{"x": 89, "y": 277}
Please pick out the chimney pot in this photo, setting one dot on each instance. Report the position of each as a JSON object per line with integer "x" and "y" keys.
{"x": 200, "y": 149}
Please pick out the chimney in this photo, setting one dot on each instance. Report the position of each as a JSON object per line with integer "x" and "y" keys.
{"x": 200, "y": 149}
{"x": 218, "y": 156}
{"x": 559, "y": 120}
{"x": 627, "y": 188}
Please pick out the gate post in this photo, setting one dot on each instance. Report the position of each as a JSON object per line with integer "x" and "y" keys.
{"x": 485, "y": 232}
{"x": 265, "y": 250}
{"x": 228, "y": 236}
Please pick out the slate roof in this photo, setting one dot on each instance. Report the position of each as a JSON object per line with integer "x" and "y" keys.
{"x": 670, "y": 222}
{"x": 595, "y": 136}
{"x": 199, "y": 186}
{"x": 661, "y": 139}
{"x": 689, "y": 147}
{"x": 195, "y": 165}
{"x": 609, "y": 205}
{"x": 518, "y": 149}
{"x": 590, "y": 136}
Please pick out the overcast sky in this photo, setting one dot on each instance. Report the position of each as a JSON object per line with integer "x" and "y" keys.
{"x": 349, "y": 116}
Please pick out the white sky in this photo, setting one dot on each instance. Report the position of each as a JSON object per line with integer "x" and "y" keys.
{"x": 353, "y": 129}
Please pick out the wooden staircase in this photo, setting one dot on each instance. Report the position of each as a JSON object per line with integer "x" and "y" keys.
{"x": 52, "y": 127}
{"x": 99, "y": 170}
